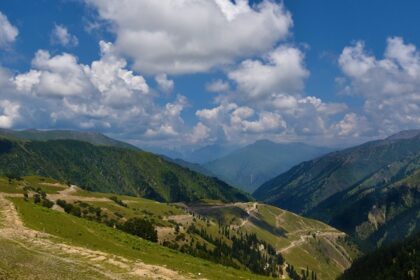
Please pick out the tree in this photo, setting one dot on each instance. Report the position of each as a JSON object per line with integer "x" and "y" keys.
{"x": 141, "y": 228}
{"x": 47, "y": 203}
{"x": 37, "y": 198}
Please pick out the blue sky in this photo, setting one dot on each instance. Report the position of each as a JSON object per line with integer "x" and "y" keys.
{"x": 191, "y": 73}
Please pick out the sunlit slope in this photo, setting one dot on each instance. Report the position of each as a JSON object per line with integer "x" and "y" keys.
{"x": 303, "y": 242}
{"x": 62, "y": 246}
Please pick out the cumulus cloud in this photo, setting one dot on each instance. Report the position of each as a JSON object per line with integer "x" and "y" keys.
{"x": 8, "y": 32}
{"x": 192, "y": 36}
{"x": 9, "y": 113}
{"x": 389, "y": 86}
{"x": 282, "y": 70}
{"x": 59, "y": 76}
{"x": 61, "y": 36}
{"x": 269, "y": 101}
{"x": 164, "y": 84}
{"x": 104, "y": 95}
{"x": 199, "y": 133}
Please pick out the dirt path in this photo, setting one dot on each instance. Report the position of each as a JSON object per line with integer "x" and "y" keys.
{"x": 110, "y": 266}
{"x": 306, "y": 237}
{"x": 250, "y": 211}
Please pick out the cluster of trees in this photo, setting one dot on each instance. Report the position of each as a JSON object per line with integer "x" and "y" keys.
{"x": 13, "y": 176}
{"x": 396, "y": 261}
{"x": 40, "y": 197}
{"x": 246, "y": 250}
{"x": 140, "y": 227}
{"x": 306, "y": 274}
{"x": 135, "y": 226}
{"x": 70, "y": 208}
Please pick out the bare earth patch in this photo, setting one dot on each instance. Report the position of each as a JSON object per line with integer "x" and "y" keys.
{"x": 110, "y": 266}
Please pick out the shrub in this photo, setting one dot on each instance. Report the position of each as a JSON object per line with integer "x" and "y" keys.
{"x": 118, "y": 201}
{"x": 47, "y": 203}
{"x": 141, "y": 228}
{"x": 37, "y": 198}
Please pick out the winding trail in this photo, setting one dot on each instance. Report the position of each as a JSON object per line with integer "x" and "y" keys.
{"x": 250, "y": 211}
{"x": 306, "y": 237}
{"x": 108, "y": 265}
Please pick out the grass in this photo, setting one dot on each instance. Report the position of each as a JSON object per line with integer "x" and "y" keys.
{"x": 49, "y": 186}
{"x": 18, "y": 262}
{"x": 96, "y": 236}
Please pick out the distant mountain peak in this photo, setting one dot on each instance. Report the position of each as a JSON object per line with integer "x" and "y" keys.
{"x": 405, "y": 134}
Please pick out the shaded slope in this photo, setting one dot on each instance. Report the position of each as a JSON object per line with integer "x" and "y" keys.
{"x": 249, "y": 167}
{"x": 371, "y": 191}
{"x": 399, "y": 261}
{"x": 111, "y": 169}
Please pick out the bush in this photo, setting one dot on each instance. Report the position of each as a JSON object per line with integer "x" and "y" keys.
{"x": 47, "y": 203}
{"x": 75, "y": 211}
{"x": 141, "y": 228}
{"x": 118, "y": 201}
{"x": 37, "y": 198}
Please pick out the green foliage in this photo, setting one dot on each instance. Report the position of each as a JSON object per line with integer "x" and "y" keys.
{"x": 231, "y": 250}
{"x": 96, "y": 236}
{"x": 370, "y": 191}
{"x": 397, "y": 261}
{"x": 113, "y": 170}
{"x": 37, "y": 198}
{"x": 142, "y": 228}
{"x": 118, "y": 201}
{"x": 47, "y": 203}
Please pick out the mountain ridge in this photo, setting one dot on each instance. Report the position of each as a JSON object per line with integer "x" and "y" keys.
{"x": 361, "y": 190}
{"x": 112, "y": 169}
{"x": 250, "y": 166}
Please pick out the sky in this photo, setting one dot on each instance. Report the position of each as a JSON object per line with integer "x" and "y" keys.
{"x": 191, "y": 73}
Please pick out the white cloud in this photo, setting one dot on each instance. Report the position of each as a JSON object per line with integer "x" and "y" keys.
{"x": 9, "y": 113}
{"x": 117, "y": 85}
{"x": 104, "y": 95}
{"x": 282, "y": 71}
{"x": 8, "y": 32}
{"x": 389, "y": 86}
{"x": 164, "y": 84}
{"x": 269, "y": 101}
{"x": 199, "y": 133}
{"x": 60, "y": 75}
{"x": 192, "y": 36}
{"x": 218, "y": 86}
{"x": 61, "y": 36}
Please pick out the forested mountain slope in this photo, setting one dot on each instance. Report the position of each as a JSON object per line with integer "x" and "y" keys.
{"x": 398, "y": 261}
{"x": 112, "y": 169}
{"x": 371, "y": 191}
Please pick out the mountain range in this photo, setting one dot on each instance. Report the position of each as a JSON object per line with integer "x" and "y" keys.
{"x": 111, "y": 169}
{"x": 371, "y": 191}
{"x": 249, "y": 167}
{"x": 94, "y": 138}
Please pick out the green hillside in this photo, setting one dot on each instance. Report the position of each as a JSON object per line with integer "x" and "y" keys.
{"x": 111, "y": 169}
{"x": 247, "y": 168}
{"x": 57, "y": 245}
{"x": 233, "y": 239}
{"x": 370, "y": 191}
{"x": 398, "y": 261}
{"x": 45, "y": 135}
